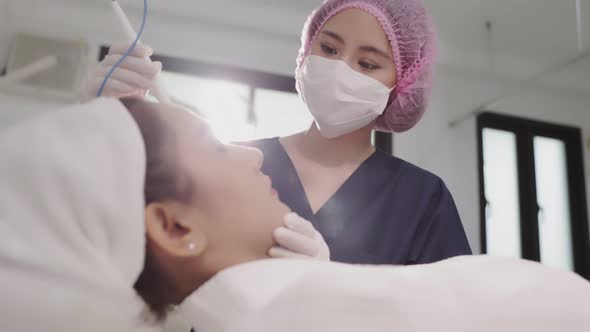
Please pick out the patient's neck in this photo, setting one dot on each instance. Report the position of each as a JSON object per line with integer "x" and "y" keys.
{"x": 166, "y": 282}
{"x": 181, "y": 287}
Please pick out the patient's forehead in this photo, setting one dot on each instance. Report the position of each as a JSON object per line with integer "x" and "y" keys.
{"x": 184, "y": 118}
{"x": 191, "y": 130}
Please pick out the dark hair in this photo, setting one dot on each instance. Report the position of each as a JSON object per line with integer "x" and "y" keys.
{"x": 164, "y": 181}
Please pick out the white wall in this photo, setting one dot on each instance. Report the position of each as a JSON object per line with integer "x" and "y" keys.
{"x": 451, "y": 152}
{"x": 448, "y": 152}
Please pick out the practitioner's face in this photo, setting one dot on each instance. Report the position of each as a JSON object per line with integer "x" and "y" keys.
{"x": 356, "y": 37}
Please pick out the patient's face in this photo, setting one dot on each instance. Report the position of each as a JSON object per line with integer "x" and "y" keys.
{"x": 233, "y": 204}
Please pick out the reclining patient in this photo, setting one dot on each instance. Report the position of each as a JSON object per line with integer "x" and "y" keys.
{"x": 107, "y": 209}
{"x": 83, "y": 188}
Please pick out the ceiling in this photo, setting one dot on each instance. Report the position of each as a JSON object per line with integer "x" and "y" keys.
{"x": 523, "y": 27}
{"x": 526, "y": 36}
{"x": 520, "y": 28}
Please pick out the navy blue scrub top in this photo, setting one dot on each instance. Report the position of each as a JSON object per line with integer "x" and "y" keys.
{"x": 388, "y": 211}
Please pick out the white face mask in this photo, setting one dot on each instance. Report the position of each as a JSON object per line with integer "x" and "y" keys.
{"x": 340, "y": 99}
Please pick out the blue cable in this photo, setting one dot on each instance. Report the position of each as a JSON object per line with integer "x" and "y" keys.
{"x": 131, "y": 48}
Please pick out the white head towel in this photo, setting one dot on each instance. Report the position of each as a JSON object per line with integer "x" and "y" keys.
{"x": 71, "y": 221}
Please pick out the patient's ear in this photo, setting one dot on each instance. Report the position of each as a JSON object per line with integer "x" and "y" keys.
{"x": 169, "y": 232}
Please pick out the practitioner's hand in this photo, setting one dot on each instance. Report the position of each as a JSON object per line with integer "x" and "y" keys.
{"x": 134, "y": 77}
{"x": 299, "y": 239}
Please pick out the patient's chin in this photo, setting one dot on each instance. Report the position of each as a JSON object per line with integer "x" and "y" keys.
{"x": 284, "y": 209}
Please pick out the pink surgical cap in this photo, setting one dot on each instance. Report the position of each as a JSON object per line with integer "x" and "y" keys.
{"x": 409, "y": 28}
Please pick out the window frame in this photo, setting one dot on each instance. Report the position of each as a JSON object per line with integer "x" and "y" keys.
{"x": 525, "y": 131}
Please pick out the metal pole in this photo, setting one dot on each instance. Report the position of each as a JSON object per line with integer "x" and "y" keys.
{"x": 579, "y": 25}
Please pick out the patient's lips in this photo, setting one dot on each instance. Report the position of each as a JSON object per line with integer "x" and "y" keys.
{"x": 273, "y": 191}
